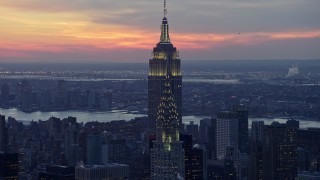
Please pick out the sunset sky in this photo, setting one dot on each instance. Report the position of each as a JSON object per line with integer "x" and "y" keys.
{"x": 127, "y": 30}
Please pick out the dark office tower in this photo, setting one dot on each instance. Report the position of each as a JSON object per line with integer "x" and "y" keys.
{"x": 194, "y": 130}
{"x": 279, "y": 152}
{"x": 5, "y": 93}
{"x": 61, "y": 86}
{"x": 117, "y": 151}
{"x": 199, "y": 163}
{"x": 59, "y": 101}
{"x": 9, "y": 166}
{"x": 83, "y": 144}
{"x": 243, "y": 117}
{"x": 309, "y": 139}
{"x": 257, "y": 131}
{"x": 94, "y": 150}
{"x": 256, "y": 153}
{"x": 165, "y": 60}
{"x": 187, "y": 146}
{"x": 26, "y": 96}
{"x": 204, "y": 129}
{"x": 3, "y": 134}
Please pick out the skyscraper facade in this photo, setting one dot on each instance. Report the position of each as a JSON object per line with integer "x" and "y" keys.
{"x": 279, "y": 151}
{"x": 164, "y": 101}
{"x": 226, "y": 134}
{"x": 3, "y": 134}
{"x": 165, "y": 60}
{"x": 167, "y": 154}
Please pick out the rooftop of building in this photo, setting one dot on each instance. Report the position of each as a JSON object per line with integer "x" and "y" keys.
{"x": 109, "y": 165}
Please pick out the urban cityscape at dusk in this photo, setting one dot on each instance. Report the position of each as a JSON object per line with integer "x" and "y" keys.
{"x": 224, "y": 90}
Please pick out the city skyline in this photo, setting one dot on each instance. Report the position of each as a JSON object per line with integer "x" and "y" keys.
{"x": 100, "y": 31}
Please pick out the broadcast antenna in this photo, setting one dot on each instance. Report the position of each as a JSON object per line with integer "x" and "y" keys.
{"x": 165, "y": 8}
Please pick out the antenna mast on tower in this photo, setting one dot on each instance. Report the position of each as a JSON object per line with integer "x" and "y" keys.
{"x": 165, "y": 8}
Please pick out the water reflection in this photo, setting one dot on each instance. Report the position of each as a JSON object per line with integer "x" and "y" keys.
{"x": 87, "y": 116}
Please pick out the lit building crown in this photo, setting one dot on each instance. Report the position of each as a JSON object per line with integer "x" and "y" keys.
{"x": 164, "y": 38}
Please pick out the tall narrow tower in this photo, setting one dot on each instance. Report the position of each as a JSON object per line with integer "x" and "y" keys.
{"x": 165, "y": 60}
{"x": 167, "y": 154}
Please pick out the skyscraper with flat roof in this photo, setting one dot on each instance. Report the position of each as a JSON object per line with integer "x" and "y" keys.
{"x": 226, "y": 127}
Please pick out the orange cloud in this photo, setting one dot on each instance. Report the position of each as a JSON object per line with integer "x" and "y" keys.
{"x": 72, "y": 31}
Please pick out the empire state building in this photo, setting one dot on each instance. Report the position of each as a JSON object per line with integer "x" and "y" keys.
{"x": 167, "y": 154}
{"x": 165, "y": 61}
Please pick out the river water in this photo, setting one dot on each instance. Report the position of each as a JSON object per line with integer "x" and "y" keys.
{"x": 87, "y": 116}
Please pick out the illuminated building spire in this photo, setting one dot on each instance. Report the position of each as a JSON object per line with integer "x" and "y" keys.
{"x": 165, "y": 26}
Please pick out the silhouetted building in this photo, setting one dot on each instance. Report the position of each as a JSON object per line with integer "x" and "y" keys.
{"x": 3, "y": 134}
{"x": 256, "y": 151}
{"x": 26, "y": 96}
{"x": 9, "y": 166}
{"x": 309, "y": 149}
{"x": 243, "y": 118}
{"x": 226, "y": 134}
{"x": 117, "y": 151}
{"x": 279, "y": 151}
{"x": 5, "y": 93}
{"x": 94, "y": 149}
{"x": 309, "y": 139}
{"x": 199, "y": 163}
{"x": 194, "y": 130}
{"x": 187, "y": 146}
{"x": 204, "y": 130}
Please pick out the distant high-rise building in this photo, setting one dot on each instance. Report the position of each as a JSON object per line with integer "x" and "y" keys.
{"x": 117, "y": 151}
{"x": 94, "y": 154}
{"x": 309, "y": 139}
{"x": 243, "y": 117}
{"x": 256, "y": 151}
{"x": 199, "y": 163}
{"x": 226, "y": 134}
{"x": 257, "y": 131}
{"x": 204, "y": 130}
{"x": 279, "y": 151}
{"x": 186, "y": 140}
{"x": 45, "y": 100}
{"x": 164, "y": 103}
{"x": 3, "y": 134}
{"x": 26, "y": 96}
{"x": 194, "y": 130}
{"x": 5, "y": 92}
